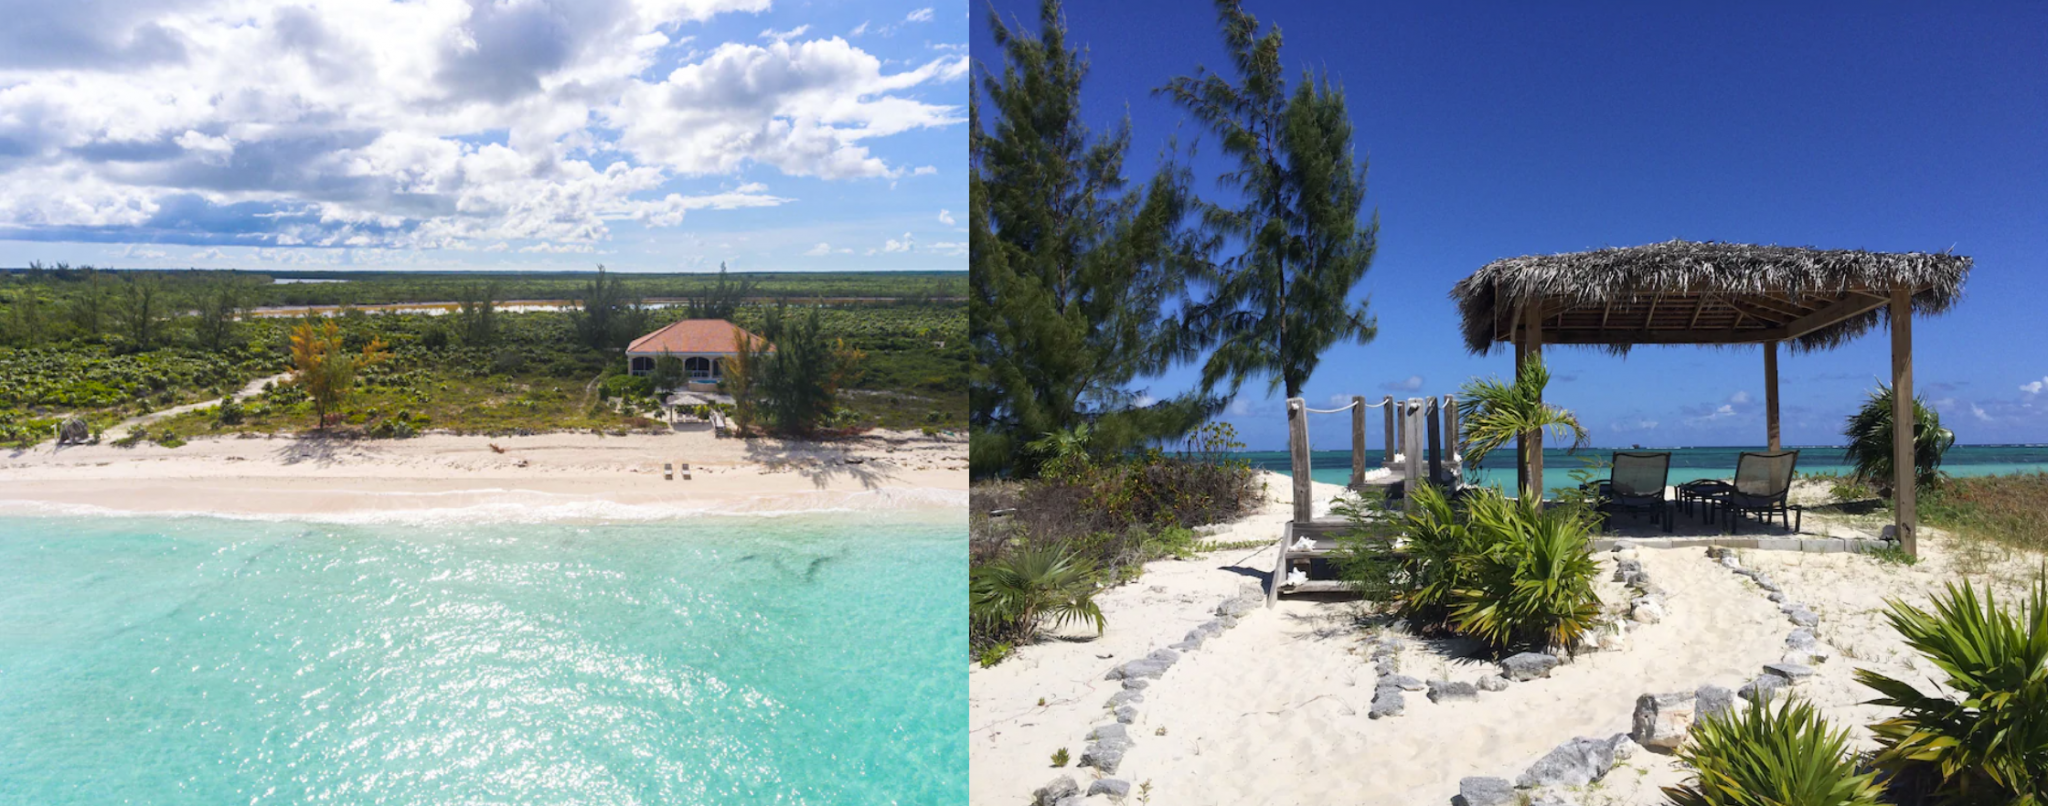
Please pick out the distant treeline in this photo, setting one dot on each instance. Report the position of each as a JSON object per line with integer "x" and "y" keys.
{"x": 387, "y": 287}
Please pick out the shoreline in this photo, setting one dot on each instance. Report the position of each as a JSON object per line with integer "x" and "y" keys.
{"x": 560, "y": 476}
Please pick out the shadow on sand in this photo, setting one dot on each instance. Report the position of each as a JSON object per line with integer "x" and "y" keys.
{"x": 821, "y": 462}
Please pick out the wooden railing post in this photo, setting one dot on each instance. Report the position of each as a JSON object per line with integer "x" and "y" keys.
{"x": 1357, "y": 441}
{"x": 1436, "y": 442}
{"x": 1388, "y": 406}
{"x": 1411, "y": 434}
{"x": 1451, "y": 431}
{"x": 1297, "y": 450}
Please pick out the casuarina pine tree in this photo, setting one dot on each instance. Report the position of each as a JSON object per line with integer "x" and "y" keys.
{"x": 1069, "y": 270}
{"x": 1283, "y": 298}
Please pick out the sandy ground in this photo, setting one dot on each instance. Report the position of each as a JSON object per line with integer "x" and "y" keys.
{"x": 579, "y": 475}
{"x": 1274, "y": 711}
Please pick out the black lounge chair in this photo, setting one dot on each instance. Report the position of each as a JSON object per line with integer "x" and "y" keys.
{"x": 1763, "y": 482}
{"x": 1636, "y": 484}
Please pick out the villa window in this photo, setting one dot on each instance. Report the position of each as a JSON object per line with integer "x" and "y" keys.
{"x": 640, "y": 365}
{"x": 698, "y": 368}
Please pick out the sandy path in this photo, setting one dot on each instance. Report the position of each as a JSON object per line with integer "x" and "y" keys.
{"x": 1274, "y": 711}
{"x": 130, "y": 424}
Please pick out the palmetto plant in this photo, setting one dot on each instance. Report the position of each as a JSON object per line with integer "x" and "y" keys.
{"x": 1030, "y": 590}
{"x": 1989, "y": 744}
{"x": 1532, "y": 582}
{"x": 1510, "y": 573}
{"x": 1870, "y": 441}
{"x": 1492, "y": 413}
{"x": 1771, "y": 754}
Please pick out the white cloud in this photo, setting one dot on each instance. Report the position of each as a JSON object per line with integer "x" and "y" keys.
{"x": 209, "y": 254}
{"x": 821, "y": 250}
{"x": 1410, "y": 384}
{"x": 438, "y": 124}
{"x": 908, "y": 244}
{"x": 947, "y": 248}
{"x": 1739, "y": 398}
{"x": 924, "y": 170}
{"x": 1240, "y": 408}
{"x": 2035, "y": 387}
{"x": 946, "y": 217}
{"x": 803, "y": 108}
{"x": 920, "y": 15}
{"x": 1637, "y": 424}
{"x": 779, "y": 36}
{"x": 1980, "y": 413}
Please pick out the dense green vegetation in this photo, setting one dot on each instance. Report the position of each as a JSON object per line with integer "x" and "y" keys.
{"x": 1509, "y": 572}
{"x": 1102, "y": 516}
{"x": 382, "y": 288}
{"x": 73, "y": 343}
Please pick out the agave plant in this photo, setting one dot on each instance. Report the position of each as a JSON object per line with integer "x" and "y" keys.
{"x": 1531, "y": 582}
{"x": 1990, "y": 743}
{"x": 1492, "y": 414}
{"x": 1771, "y": 754}
{"x": 1870, "y": 441}
{"x": 1025, "y": 592}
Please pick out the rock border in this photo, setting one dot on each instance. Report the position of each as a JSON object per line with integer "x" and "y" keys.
{"x": 1108, "y": 742}
{"x": 1660, "y": 721}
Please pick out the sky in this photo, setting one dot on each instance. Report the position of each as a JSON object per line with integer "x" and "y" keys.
{"x": 648, "y": 135}
{"x": 1494, "y": 130}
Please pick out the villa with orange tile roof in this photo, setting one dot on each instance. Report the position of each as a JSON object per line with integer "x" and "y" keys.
{"x": 702, "y": 344}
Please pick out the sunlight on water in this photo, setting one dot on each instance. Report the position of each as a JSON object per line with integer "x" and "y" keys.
{"x": 724, "y": 660}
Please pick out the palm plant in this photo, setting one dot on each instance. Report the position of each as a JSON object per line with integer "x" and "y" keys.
{"x": 1870, "y": 441}
{"x": 1991, "y": 744}
{"x": 1532, "y": 583}
{"x": 1492, "y": 413}
{"x": 1030, "y": 590}
{"x": 1771, "y": 754}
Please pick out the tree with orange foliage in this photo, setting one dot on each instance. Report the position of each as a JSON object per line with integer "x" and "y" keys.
{"x": 325, "y": 368}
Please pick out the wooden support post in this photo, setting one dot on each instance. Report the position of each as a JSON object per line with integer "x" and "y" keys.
{"x": 1771, "y": 393}
{"x": 1535, "y": 347}
{"x": 1412, "y": 470}
{"x": 1904, "y": 478}
{"x": 1357, "y": 441}
{"x": 1388, "y": 406}
{"x": 1436, "y": 442}
{"x": 1456, "y": 459}
{"x": 1297, "y": 450}
{"x": 1521, "y": 440}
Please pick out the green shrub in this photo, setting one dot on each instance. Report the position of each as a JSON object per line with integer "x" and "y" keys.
{"x": 1013, "y": 598}
{"x": 1059, "y": 757}
{"x": 1771, "y": 753}
{"x": 1508, "y": 572}
{"x": 1533, "y": 585}
{"x": 229, "y": 412}
{"x": 995, "y": 654}
{"x": 1869, "y": 431}
{"x": 1990, "y": 744}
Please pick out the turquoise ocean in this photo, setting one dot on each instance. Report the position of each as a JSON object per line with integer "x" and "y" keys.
{"x": 795, "y": 659}
{"x": 1687, "y": 464}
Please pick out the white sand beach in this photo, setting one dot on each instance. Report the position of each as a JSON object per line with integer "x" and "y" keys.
{"x": 572, "y": 474}
{"x": 1275, "y": 710}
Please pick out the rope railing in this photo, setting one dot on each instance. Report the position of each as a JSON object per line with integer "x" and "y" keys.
{"x": 1348, "y": 406}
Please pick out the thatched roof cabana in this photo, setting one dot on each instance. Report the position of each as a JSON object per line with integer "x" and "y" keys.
{"x": 1683, "y": 292}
